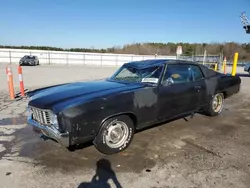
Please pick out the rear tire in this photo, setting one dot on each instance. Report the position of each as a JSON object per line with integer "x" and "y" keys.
{"x": 115, "y": 135}
{"x": 215, "y": 106}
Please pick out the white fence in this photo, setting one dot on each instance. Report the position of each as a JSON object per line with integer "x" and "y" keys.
{"x": 77, "y": 58}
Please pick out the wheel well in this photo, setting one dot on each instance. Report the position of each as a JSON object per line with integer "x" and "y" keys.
{"x": 131, "y": 115}
{"x": 225, "y": 94}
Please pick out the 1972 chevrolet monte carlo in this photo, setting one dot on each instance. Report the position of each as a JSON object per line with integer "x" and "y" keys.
{"x": 140, "y": 94}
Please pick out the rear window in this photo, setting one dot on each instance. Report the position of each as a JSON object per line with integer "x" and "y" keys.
{"x": 196, "y": 72}
{"x": 208, "y": 72}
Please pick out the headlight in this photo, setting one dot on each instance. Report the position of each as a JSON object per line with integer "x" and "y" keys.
{"x": 29, "y": 112}
{"x": 54, "y": 122}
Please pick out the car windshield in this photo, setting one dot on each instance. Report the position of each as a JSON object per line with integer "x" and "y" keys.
{"x": 132, "y": 74}
{"x": 29, "y": 57}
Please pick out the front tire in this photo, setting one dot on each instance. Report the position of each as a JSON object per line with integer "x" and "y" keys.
{"x": 115, "y": 135}
{"x": 216, "y": 105}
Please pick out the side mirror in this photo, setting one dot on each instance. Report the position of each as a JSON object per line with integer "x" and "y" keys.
{"x": 168, "y": 82}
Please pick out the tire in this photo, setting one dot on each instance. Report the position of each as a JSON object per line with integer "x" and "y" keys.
{"x": 112, "y": 127}
{"x": 215, "y": 106}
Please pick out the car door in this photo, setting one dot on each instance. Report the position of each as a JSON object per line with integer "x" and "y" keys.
{"x": 176, "y": 92}
{"x": 199, "y": 88}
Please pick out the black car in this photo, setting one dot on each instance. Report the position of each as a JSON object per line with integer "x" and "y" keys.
{"x": 247, "y": 67}
{"x": 29, "y": 60}
{"x": 138, "y": 95}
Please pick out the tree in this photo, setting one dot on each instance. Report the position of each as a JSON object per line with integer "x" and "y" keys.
{"x": 152, "y": 48}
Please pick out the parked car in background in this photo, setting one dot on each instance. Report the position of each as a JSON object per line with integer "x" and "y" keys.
{"x": 247, "y": 68}
{"x": 140, "y": 94}
{"x": 29, "y": 60}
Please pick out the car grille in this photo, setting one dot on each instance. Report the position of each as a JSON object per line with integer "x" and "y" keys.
{"x": 41, "y": 116}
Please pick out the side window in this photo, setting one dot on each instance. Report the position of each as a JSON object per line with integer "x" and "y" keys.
{"x": 178, "y": 74}
{"x": 197, "y": 74}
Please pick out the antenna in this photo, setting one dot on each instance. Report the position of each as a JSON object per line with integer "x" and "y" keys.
{"x": 245, "y": 21}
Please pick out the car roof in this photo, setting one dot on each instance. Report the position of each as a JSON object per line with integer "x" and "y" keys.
{"x": 30, "y": 56}
{"x": 156, "y": 62}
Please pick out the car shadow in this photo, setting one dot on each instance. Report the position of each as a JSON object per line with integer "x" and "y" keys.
{"x": 104, "y": 173}
{"x": 80, "y": 146}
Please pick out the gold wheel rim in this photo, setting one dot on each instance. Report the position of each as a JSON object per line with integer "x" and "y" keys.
{"x": 217, "y": 103}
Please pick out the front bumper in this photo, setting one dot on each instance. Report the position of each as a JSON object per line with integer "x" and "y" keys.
{"x": 51, "y": 132}
{"x": 27, "y": 63}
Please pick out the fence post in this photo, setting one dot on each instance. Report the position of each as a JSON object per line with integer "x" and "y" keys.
{"x": 10, "y": 56}
{"x": 49, "y": 57}
{"x": 10, "y": 83}
{"x": 204, "y": 57}
{"x": 215, "y": 66}
{"x": 224, "y": 65}
{"x": 20, "y": 75}
{"x": 235, "y": 63}
{"x": 101, "y": 59}
{"x": 67, "y": 59}
{"x": 116, "y": 63}
{"x": 83, "y": 59}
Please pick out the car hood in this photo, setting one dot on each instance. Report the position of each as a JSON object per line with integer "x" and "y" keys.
{"x": 59, "y": 97}
{"x": 247, "y": 65}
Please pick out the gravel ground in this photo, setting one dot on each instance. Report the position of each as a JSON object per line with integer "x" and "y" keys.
{"x": 203, "y": 152}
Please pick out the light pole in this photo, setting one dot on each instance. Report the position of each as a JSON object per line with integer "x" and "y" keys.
{"x": 246, "y": 23}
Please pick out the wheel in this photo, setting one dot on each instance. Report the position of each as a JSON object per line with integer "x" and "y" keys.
{"x": 115, "y": 135}
{"x": 215, "y": 106}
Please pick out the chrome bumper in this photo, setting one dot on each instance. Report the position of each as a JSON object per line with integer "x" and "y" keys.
{"x": 51, "y": 132}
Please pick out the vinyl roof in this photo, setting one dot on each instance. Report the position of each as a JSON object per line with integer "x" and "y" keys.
{"x": 155, "y": 62}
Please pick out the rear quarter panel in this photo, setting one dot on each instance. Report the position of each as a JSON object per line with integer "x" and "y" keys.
{"x": 226, "y": 84}
{"x": 230, "y": 85}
